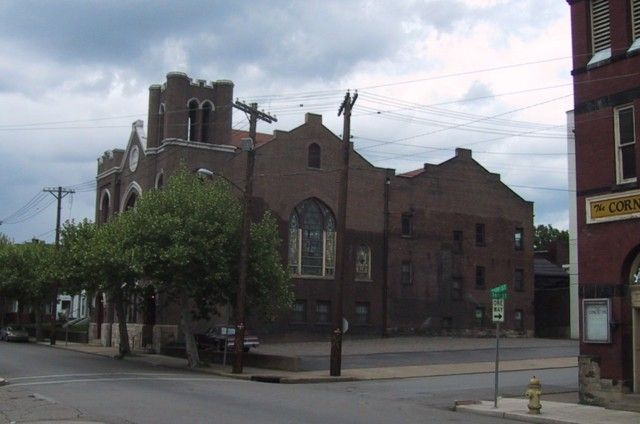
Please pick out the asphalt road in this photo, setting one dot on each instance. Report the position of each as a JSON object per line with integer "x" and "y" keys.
{"x": 107, "y": 390}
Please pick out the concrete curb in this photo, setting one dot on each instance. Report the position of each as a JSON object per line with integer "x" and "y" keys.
{"x": 364, "y": 374}
{"x": 552, "y": 412}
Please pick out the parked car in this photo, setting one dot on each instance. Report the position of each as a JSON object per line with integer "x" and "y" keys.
{"x": 14, "y": 333}
{"x": 218, "y": 337}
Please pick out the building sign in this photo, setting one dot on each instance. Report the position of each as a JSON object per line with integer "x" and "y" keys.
{"x": 613, "y": 207}
{"x": 596, "y": 319}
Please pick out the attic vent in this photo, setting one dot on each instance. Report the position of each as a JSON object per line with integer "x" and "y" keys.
{"x": 635, "y": 18}
{"x": 600, "y": 26}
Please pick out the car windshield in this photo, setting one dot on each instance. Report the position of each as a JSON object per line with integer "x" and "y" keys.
{"x": 15, "y": 328}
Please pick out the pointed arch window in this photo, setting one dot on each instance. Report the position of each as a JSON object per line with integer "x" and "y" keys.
{"x": 105, "y": 206}
{"x": 312, "y": 239}
{"x": 363, "y": 263}
{"x": 313, "y": 159}
{"x": 207, "y": 107}
{"x": 161, "y": 123}
{"x": 192, "y": 125}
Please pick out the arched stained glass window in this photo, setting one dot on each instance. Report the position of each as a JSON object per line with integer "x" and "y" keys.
{"x": 312, "y": 239}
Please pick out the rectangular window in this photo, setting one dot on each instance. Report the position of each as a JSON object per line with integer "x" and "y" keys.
{"x": 625, "y": 144}
{"x": 362, "y": 313}
{"x": 447, "y": 323}
{"x": 480, "y": 277}
{"x": 518, "y": 280}
{"x": 323, "y": 311}
{"x": 407, "y": 225}
{"x": 519, "y": 320}
{"x": 456, "y": 290}
{"x": 518, "y": 239}
{"x": 299, "y": 313}
{"x": 479, "y": 316}
{"x": 480, "y": 241}
{"x": 406, "y": 273}
{"x": 457, "y": 241}
{"x": 363, "y": 263}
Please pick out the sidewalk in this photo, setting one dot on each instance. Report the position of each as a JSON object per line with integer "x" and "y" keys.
{"x": 552, "y": 412}
{"x": 356, "y": 374}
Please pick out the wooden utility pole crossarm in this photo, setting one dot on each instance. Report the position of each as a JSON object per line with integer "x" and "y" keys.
{"x": 341, "y": 246}
{"x": 253, "y": 114}
{"x": 59, "y": 193}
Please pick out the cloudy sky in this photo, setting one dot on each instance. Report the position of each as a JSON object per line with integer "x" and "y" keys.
{"x": 432, "y": 75}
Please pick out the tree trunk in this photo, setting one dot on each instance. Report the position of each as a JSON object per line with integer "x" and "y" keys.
{"x": 38, "y": 313}
{"x": 3, "y": 310}
{"x": 123, "y": 348}
{"x": 193, "y": 358}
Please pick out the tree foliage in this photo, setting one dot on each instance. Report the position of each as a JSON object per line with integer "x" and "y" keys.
{"x": 186, "y": 239}
{"x": 26, "y": 275}
{"x": 546, "y": 234}
{"x": 98, "y": 259}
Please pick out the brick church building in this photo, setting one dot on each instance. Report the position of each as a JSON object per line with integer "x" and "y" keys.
{"x": 606, "y": 64}
{"x": 424, "y": 247}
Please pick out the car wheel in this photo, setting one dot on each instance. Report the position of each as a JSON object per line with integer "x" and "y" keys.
{"x": 245, "y": 349}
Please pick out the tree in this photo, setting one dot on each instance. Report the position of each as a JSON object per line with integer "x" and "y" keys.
{"x": 98, "y": 258}
{"x": 185, "y": 239}
{"x": 546, "y": 234}
{"x": 26, "y": 275}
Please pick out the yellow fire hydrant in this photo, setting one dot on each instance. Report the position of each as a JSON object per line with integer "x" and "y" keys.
{"x": 534, "y": 390}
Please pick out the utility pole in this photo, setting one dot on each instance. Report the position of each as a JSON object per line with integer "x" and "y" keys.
{"x": 249, "y": 145}
{"x": 58, "y": 193}
{"x": 341, "y": 246}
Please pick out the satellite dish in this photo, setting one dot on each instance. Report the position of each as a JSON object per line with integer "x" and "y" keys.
{"x": 345, "y": 325}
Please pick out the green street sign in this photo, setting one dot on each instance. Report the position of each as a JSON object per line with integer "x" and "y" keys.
{"x": 499, "y": 292}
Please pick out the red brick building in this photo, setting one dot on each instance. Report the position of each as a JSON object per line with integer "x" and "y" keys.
{"x": 606, "y": 64}
{"x": 424, "y": 247}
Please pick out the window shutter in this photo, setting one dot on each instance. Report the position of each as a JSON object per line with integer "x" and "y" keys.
{"x": 600, "y": 28}
{"x": 635, "y": 18}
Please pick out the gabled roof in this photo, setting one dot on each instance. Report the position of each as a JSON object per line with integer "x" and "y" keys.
{"x": 238, "y": 135}
{"x": 412, "y": 174}
{"x": 543, "y": 267}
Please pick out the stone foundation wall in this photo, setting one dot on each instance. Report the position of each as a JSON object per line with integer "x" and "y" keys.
{"x": 593, "y": 389}
{"x": 164, "y": 335}
{"x": 135, "y": 335}
{"x": 105, "y": 334}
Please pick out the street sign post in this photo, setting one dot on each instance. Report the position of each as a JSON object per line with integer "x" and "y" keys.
{"x": 498, "y": 296}
{"x": 498, "y": 310}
